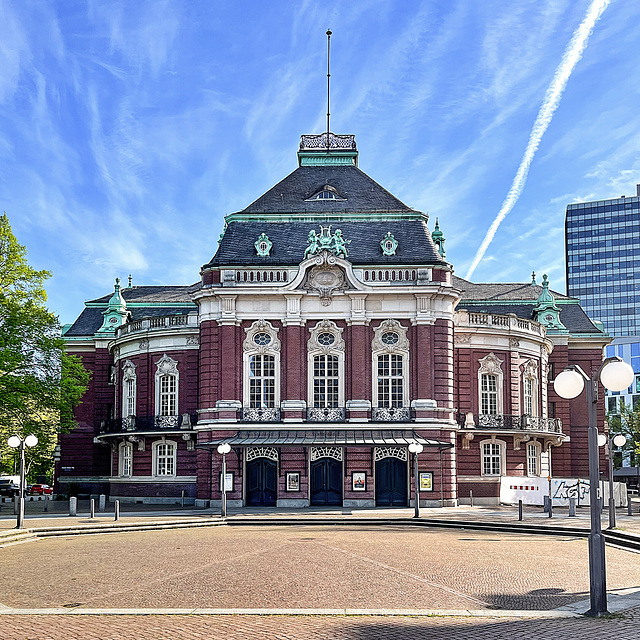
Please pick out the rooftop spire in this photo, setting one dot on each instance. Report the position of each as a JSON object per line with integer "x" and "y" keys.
{"x": 328, "y": 81}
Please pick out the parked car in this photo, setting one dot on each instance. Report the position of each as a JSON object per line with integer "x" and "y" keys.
{"x": 9, "y": 488}
{"x": 41, "y": 489}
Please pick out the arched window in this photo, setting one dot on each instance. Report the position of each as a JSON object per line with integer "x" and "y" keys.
{"x": 325, "y": 350}
{"x": 390, "y": 352}
{"x": 490, "y": 379}
{"x": 164, "y": 458}
{"x": 125, "y": 459}
{"x": 530, "y": 389}
{"x": 261, "y": 365}
{"x": 129, "y": 384}
{"x": 166, "y": 387}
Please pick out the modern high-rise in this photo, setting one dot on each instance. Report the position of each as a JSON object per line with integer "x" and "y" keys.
{"x": 603, "y": 261}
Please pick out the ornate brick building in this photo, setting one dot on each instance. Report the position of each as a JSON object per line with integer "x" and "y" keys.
{"x": 326, "y": 334}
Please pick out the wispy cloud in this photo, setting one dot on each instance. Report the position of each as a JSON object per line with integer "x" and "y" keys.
{"x": 571, "y": 57}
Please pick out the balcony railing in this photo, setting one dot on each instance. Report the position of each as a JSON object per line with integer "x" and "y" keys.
{"x": 328, "y": 414}
{"x": 508, "y": 422}
{"x": 260, "y": 414}
{"x": 391, "y": 414}
{"x": 153, "y": 324}
{"x": 147, "y": 423}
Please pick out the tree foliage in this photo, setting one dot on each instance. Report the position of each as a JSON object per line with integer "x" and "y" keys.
{"x": 39, "y": 383}
{"x": 627, "y": 422}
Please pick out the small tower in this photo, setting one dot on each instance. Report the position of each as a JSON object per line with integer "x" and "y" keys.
{"x": 546, "y": 311}
{"x": 115, "y": 315}
{"x": 438, "y": 239}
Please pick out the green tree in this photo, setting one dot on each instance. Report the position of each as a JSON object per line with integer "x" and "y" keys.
{"x": 626, "y": 421}
{"x": 39, "y": 383}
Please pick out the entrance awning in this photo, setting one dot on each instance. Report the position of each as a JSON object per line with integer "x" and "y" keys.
{"x": 326, "y": 437}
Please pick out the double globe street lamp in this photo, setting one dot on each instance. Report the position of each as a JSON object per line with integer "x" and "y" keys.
{"x": 14, "y": 442}
{"x": 416, "y": 448}
{"x": 615, "y": 375}
{"x": 223, "y": 449}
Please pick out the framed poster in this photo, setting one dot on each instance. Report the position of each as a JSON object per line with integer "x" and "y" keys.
{"x": 426, "y": 481}
{"x": 358, "y": 480}
{"x": 228, "y": 482}
{"x": 293, "y": 481}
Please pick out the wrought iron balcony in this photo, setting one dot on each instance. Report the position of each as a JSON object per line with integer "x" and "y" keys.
{"x": 503, "y": 421}
{"x": 391, "y": 414}
{"x": 327, "y": 414}
{"x": 260, "y": 414}
{"x": 148, "y": 423}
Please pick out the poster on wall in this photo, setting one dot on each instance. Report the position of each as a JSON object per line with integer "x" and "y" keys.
{"x": 293, "y": 481}
{"x": 358, "y": 481}
{"x": 426, "y": 481}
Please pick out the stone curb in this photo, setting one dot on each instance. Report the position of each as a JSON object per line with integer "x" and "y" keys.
{"x": 456, "y": 613}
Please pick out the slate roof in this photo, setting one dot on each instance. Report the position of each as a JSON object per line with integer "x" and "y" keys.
{"x": 361, "y": 192}
{"x": 505, "y": 298}
{"x": 90, "y": 320}
{"x": 415, "y": 245}
{"x": 501, "y": 291}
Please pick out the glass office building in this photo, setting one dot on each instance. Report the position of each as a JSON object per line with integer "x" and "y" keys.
{"x": 602, "y": 241}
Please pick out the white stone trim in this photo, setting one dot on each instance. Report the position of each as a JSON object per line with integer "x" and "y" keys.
{"x": 250, "y": 349}
{"x": 538, "y": 454}
{"x": 154, "y": 458}
{"x": 325, "y": 452}
{"x": 380, "y": 453}
{"x": 261, "y": 452}
{"x": 379, "y": 348}
{"x": 121, "y": 458}
{"x": 166, "y": 366}
{"x": 148, "y": 479}
{"x": 503, "y": 457}
{"x": 491, "y": 365}
{"x": 314, "y": 348}
{"x": 530, "y": 373}
{"x": 129, "y": 375}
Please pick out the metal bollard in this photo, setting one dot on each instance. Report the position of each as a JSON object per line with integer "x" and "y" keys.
{"x": 546, "y": 504}
{"x": 629, "y": 505}
{"x": 572, "y": 507}
{"x": 520, "y": 510}
{"x": 102, "y": 503}
{"x": 16, "y": 502}
{"x": 470, "y": 498}
{"x": 73, "y": 506}
{"x": 183, "y": 498}
{"x": 117, "y": 513}
{"x": 550, "y": 507}
{"x": 46, "y": 503}
{"x": 92, "y": 502}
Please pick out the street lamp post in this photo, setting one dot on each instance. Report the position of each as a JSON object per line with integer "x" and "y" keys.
{"x": 14, "y": 442}
{"x": 618, "y": 440}
{"x": 416, "y": 448}
{"x": 615, "y": 375}
{"x": 223, "y": 449}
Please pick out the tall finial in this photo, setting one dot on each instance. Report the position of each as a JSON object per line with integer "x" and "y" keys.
{"x": 130, "y": 280}
{"x": 328, "y": 81}
{"x": 533, "y": 278}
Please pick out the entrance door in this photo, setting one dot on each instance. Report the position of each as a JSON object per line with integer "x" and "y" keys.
{"x": 262, "y": 483}
{"x": 391, "y": 483}
{"x": 326, "y": 482}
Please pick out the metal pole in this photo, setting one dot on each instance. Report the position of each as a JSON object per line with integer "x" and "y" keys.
{"x": 612, "y": 500}
{"x": 223, "y": 506}
{"x": 519, "y": 509}
{"x": 116, "y": 515}
{"x": 415, "y": 482}
{"x": 92, "y": 504}
{"x": 441, "y": 482}
{"x": 20, "y": 520}
{"x": 597, "y": 566}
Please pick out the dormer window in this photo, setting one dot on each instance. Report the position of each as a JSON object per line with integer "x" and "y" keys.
{"x": 326, "y": 193}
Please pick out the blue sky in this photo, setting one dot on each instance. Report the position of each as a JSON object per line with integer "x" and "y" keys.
{"x": 129, "y": 129}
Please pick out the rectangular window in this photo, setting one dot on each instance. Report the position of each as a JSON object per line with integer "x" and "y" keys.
{"x": 130, "y": 408}
{"x": 390, "y": 381}
{"x": 262, "y": 381}
{"x": 325, "y": 382}
{"x": 489, "y": 394}
{"x": 126, "y": 454}
{"x": 532, "y": 460}
{"x": 168, "y": 405}
{"x": 528, "y": 396}
{"x": 491, "y": 459}
{"x": 165, "y": 459}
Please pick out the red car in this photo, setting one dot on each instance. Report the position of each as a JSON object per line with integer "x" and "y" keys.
{"x": 41, "y": 489}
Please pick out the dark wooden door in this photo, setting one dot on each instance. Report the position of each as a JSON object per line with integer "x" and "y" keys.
{"x": 326, "y": 482}
{"x": 262, "y": 483}
{"x": 391, "y": 483}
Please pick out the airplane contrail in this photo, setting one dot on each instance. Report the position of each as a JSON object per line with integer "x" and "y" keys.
{"x": 570, "y": 58}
